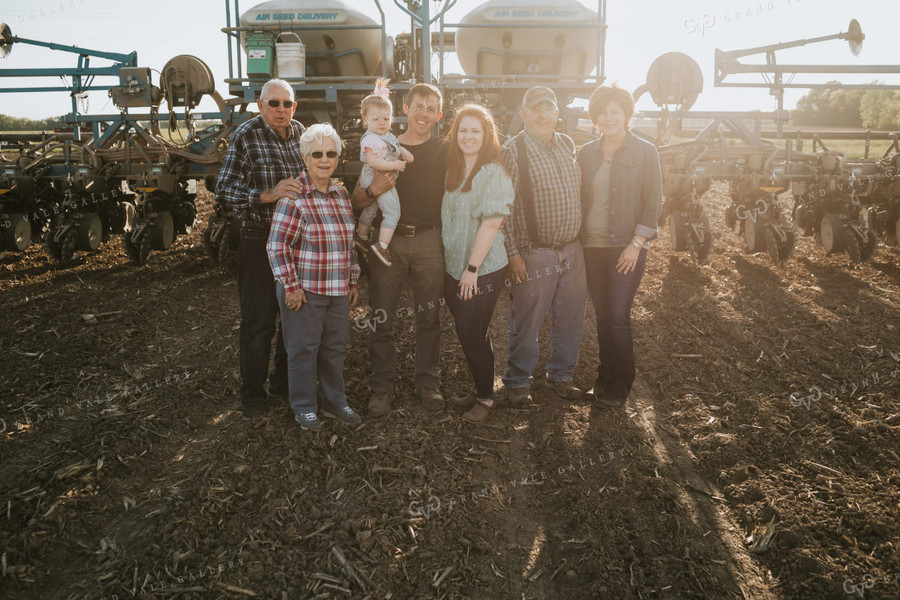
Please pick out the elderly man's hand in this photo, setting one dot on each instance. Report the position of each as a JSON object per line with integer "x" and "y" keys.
{"x": 294, "y": 300}
{"x": 289, "y": 188}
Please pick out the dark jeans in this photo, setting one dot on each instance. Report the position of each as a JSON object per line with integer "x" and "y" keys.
{"x": 317, "y": 336}
{"x": 612, "y": 294}
{"x": 259, "y": 313}
{"x": 421, "y": 260}
{"x": 473, "y": 317}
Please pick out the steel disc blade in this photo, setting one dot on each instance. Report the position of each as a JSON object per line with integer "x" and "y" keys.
{"x": 6, "y": 40}
{"x": 855, "y": 37}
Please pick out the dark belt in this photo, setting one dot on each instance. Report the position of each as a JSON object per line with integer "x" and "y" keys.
{"x": 412, "y": 230}
{"x": 555, "y": 246}
{"x": 256, "y": 225}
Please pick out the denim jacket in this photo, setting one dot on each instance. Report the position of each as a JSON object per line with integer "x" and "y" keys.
{"x": 635, "y": 189}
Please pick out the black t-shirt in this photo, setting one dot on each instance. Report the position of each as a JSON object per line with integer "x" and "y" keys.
{"x": 421, "y": 186}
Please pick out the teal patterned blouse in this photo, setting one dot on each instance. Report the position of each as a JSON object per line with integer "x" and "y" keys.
{"x": 462, "y": 213}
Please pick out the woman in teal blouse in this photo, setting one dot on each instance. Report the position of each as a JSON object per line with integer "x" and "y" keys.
{"x": 478, "y": 197}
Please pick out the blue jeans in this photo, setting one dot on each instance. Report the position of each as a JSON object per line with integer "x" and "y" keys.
{"x": 315, "y": 337}
{"x": 472, "y": 318}
{"x": 259, "y": 313}
{"x": 612, "y": 294}
{"x": 554, "y": 284}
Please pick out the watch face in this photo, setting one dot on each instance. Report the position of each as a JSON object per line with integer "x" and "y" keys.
{"x": 472, "y": 268}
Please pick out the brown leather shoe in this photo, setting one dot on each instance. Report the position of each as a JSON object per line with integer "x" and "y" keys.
{"x": 565, "y": 389}
{"x": 478, "y": 413}
{"x": 380, "y": 403}
{"x": 520, "y": 398}
{"x": 462, "y": 402}
{"x": 431, "y": 398}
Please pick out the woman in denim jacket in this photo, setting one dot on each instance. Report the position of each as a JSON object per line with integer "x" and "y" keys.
{"x": 621, "y": 197}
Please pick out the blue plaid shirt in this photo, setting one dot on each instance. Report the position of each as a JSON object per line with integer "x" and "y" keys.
{"x": 257, "y": 160}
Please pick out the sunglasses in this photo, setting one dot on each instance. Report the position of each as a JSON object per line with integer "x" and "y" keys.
{"x": 284, "y": 103}
{"x": 318, "y": 154}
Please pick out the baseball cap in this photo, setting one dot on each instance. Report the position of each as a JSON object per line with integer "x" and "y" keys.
{"x": 538, "y": 94}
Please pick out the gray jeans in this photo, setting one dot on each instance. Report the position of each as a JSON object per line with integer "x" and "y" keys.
{"x": 420, "y": 259}
{"x": 315, "y": 338}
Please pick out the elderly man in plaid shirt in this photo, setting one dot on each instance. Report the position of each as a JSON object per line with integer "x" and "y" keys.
{"x": 259, "y": 168}
{"x": 546, "y": 263}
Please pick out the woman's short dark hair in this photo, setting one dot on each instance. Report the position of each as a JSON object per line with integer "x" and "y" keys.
{"x": 605, "y": 94}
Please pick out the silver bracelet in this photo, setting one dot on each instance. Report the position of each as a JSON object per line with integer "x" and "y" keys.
{"x": 636, "y": 244}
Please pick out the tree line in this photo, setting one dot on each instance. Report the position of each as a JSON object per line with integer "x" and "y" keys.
{"x": 8, "y": 123}
{"x": 833, "y": 107}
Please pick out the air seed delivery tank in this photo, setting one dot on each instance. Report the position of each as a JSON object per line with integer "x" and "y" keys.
{"x": 511, "y": 43}
{"x": 329, "y": 52}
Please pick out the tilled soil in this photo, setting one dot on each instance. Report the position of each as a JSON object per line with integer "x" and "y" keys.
{"x": 758, "y": 458}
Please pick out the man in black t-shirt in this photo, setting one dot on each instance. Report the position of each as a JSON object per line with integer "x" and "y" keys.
{"x": 416, "y": 254}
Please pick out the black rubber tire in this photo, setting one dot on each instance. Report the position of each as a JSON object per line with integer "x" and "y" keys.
{"x": 146, "y": 246}
{"x": 772, "y": 244}
{"x": 832, "y": 234}
{"x": 701, "y": 247}
{"x": 754, "y": 236}
{"x": 53, "y": 249}
{"x": 17, "y": 237}
{"x": 678, "y": 231}
{"x": 787, "y": 249}
{"x": 852, "y": 247}
{"x": 731, "y": 216}
{"x": 868, "y": 247}
{"x": 67, "y": 246}
{"x": 185, "y": 217}
{"x": 225, "y": 251}
{"x": 90, "y": 232}
{"x": 162, "y": 232}
{"x": 212, "y": 250}
{"x": 131, "y": 249}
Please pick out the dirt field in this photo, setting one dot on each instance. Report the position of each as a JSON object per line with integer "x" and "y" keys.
{"x": 758, "y": 459}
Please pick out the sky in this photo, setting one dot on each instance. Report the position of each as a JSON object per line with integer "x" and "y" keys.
{"x": 639, "y": 31}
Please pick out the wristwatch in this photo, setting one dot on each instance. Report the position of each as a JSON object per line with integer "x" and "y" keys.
{"x": 472, "y": 268}
{"x": 370, "y": 194}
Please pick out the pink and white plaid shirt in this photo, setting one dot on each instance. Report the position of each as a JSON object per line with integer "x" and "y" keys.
{"x": 310, "y": 243}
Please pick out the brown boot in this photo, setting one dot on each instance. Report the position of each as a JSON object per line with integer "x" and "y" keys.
{"x": 431, "y": 398}
{"x": 380, "y": 403}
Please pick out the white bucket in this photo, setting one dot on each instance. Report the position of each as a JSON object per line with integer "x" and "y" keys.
{"x": 290, "y": 58}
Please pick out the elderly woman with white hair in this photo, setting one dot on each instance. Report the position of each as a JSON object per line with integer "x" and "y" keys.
{"x": 311, "y": 252}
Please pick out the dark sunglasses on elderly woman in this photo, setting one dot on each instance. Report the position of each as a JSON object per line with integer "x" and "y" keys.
{"x": 284, "y": 103}
{"x": 318, "y": 154}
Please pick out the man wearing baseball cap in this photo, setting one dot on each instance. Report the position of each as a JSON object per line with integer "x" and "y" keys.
{"x": 546, "y": 264}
